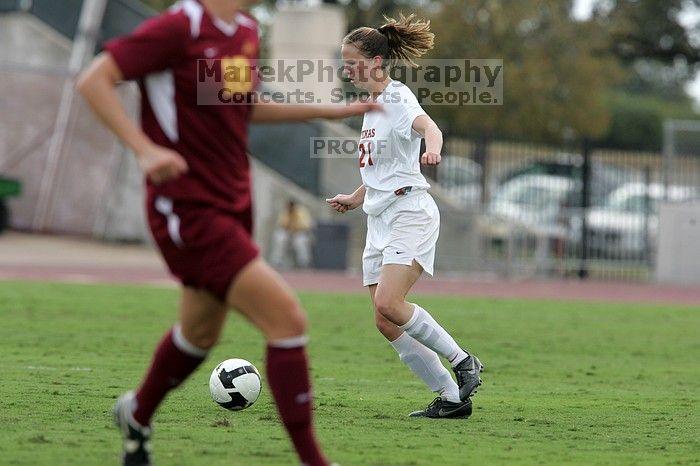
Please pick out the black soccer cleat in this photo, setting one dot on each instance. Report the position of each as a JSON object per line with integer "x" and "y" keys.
{"x": 137, "y": 439}
{"x": 468, "y": 378}
{"x": 443, "y": 409}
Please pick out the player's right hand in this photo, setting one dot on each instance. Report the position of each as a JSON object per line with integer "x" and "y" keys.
{"x": 343, "y": 202}
{"x": 161, "y": 164}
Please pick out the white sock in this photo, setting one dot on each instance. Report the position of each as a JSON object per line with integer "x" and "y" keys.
{"x": 423, "y": 328}
{"x": 185, "y": 346}
{"x": 427, "y": 366}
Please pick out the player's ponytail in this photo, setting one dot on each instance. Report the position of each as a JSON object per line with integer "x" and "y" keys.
{"x": 408, "y": 38}
{"x": 403, "y": 39}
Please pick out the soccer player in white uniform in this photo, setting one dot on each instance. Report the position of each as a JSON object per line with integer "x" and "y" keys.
{"x": 403, "y": 221}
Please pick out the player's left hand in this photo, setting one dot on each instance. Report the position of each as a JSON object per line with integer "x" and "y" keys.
{"x": 430, "y": 158}
{"x": 344, "y": 202}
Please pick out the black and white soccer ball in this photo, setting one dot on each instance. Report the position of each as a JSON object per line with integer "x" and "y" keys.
{"x": 235, "y": 384}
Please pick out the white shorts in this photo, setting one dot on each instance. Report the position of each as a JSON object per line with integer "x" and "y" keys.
{"x": 405, "y": 231}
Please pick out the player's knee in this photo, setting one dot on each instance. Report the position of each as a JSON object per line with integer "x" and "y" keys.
{"x": 388, "y": 307}
{"x": 207, "y": 341}
{"x": 203, "y": 338}
{"x": 384, "y": 326}
{"x": 298, "y": 323}
{"x": 295, "y": 321}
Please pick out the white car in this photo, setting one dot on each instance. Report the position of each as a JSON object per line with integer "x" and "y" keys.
{"x": 540, "y": 202}
{"x": 627, "y": 224}
{"x": 460, "y": 179}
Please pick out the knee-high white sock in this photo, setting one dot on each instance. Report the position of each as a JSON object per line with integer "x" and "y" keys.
{"x": 426, "y": 364}
{"x": 423, "y": 328}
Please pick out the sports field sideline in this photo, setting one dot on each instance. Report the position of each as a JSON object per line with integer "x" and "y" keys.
{"x": 80, "y": 260}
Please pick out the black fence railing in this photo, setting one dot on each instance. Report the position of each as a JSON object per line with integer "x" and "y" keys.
{"x": 575, "y": 212}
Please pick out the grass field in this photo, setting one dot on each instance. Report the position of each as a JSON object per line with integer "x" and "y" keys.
{"x": 566, "y": 383}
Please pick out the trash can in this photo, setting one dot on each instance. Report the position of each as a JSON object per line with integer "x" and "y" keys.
{"x": 331, "y": 246}
{"x": 8, "y": 187}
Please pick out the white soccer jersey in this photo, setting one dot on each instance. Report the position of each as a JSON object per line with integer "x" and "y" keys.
{"x": 389, "y": 148}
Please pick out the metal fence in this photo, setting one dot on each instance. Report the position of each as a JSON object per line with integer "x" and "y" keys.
{"x": 575, "y": 211}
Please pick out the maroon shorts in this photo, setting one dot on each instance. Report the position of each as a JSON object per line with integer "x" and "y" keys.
{"x": 203, "y": 246}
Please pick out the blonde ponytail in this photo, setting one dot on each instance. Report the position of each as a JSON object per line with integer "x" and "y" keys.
{"x": 407, "y": 37}
{"x": 404, "y": 39}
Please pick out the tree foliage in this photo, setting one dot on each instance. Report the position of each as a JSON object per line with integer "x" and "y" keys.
{"x": 613, "y": 78}
{"x": 555, "y": 75}
{"x": 637, "y": 120}
{"x": 158, "y": 5}
{"x": 647, "y": 29}
{"x": 658, "y": 55}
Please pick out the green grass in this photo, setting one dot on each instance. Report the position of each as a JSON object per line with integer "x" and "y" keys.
{"x": 566, "y": 383}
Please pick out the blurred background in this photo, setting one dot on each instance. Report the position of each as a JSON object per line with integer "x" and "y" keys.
{"x": 589, "y": 169}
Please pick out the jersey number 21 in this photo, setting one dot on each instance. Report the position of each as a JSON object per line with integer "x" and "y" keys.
{"x": 366, "y": 153}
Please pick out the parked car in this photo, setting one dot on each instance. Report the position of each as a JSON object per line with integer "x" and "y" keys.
{"x": 460, "y": 179}
{"x": 605, "y": 177}
{"x": 627, "y": 224}
{"x": 542, "y": 202}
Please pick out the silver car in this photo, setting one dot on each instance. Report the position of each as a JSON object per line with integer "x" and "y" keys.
{"x": 627, "y": 224}
{"x": 534, "y": 200}
{"x": 460, "y": 179}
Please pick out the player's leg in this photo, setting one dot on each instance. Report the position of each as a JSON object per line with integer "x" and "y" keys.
{"x": 182, "y": 349}
{"x": 262, "y": 296}
{"x": 179, "y": 353}
{"x": 422, "y": 361}
{"x": 411, "y": 245}
{"x": 389, "y": 301}
{"x": 381, "y": 234}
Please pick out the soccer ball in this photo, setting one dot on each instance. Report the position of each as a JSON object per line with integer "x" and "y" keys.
{"x": 235, "y": 384}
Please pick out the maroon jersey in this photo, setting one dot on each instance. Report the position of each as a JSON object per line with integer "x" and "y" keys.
{"x": 164, "y": 55}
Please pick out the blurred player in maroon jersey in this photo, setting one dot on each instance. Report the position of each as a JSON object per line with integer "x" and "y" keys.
{"x": 199, "y": 206}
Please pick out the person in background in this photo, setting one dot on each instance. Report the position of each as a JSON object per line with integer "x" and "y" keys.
{"x": 293, "y": 224}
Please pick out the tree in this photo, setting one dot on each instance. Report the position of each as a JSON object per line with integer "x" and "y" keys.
{"x": 658, "y": 55}
{"x": 361, "y": 13}
{"x": 647, "y": 29}
{"x": 637, "y": 120}
{"x": 159, "y": 5}
{"x": 555, "y": 75}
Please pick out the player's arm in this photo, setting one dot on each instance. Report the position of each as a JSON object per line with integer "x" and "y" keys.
{"x": 344, "y": 202}
{"x": 268, "y": 112}
{"x": 97, "y": 84}
{"x": 426, "y": 127}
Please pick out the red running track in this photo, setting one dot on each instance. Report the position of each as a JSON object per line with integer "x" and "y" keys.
{"x": 340, "y": 282}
